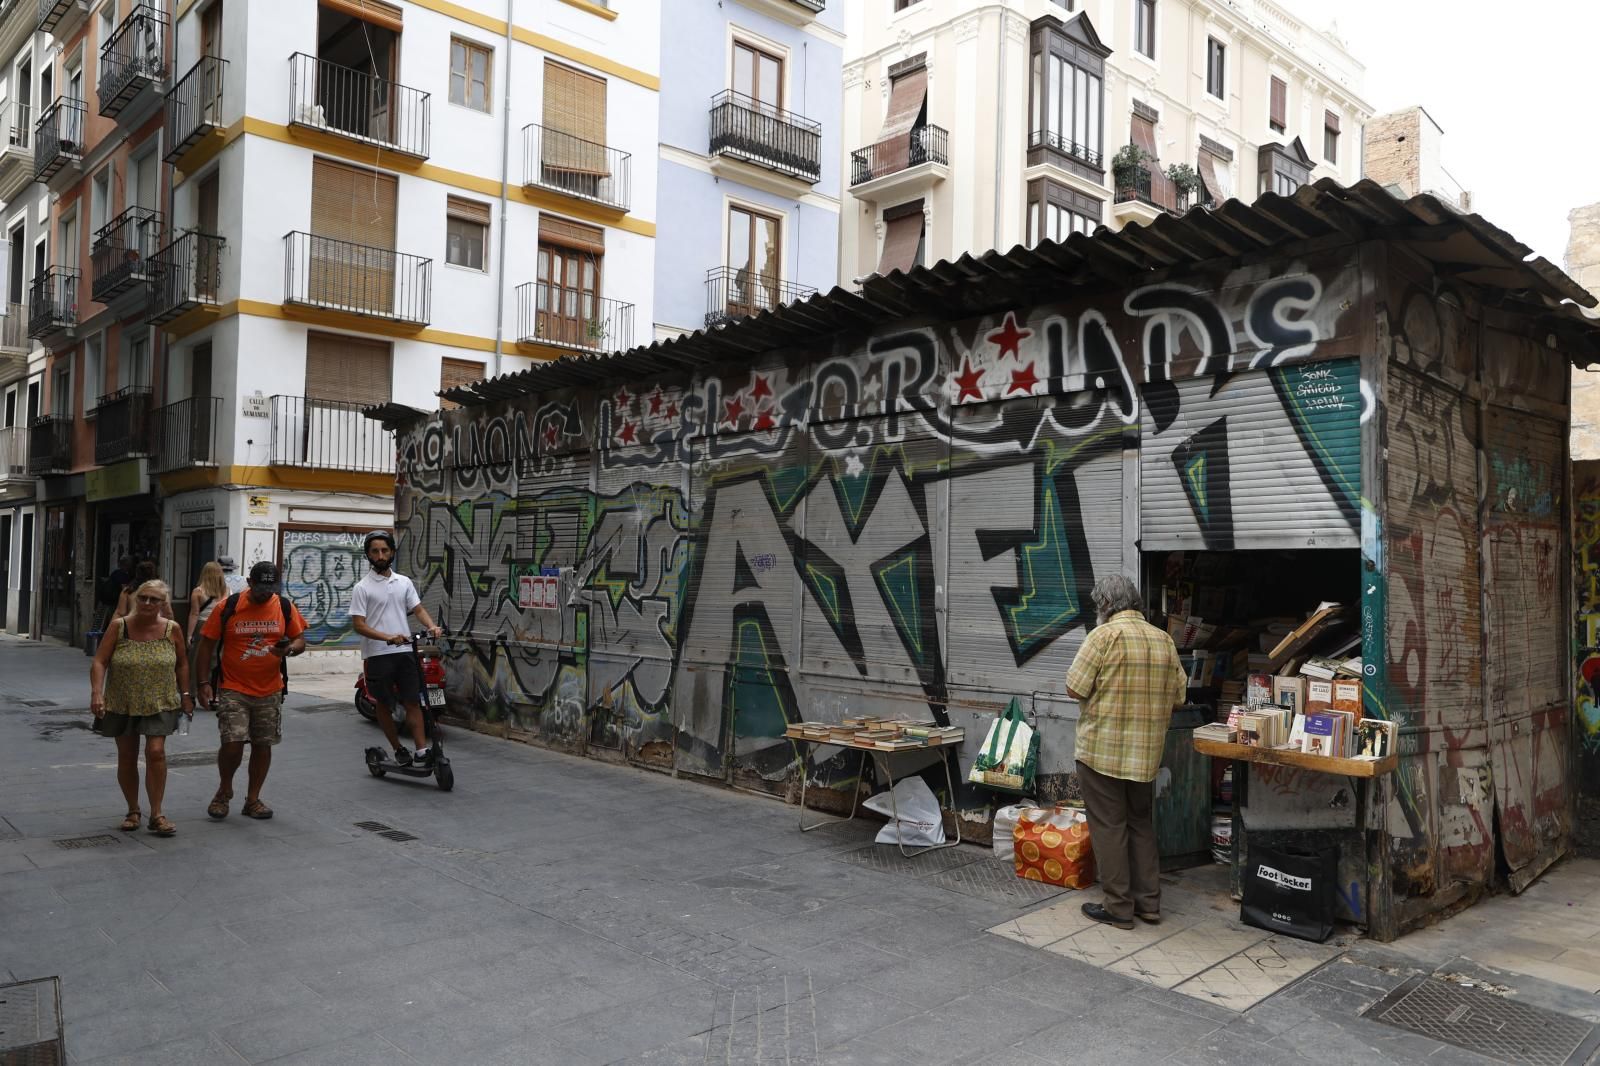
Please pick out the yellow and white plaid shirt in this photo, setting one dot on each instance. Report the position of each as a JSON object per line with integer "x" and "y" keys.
{"x": 1129, "y": 677}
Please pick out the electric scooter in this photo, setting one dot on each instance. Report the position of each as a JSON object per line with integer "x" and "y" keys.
{"x": 437, "y": 766}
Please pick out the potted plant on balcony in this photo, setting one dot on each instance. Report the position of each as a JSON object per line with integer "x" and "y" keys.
{"x": 1126, "y": 164}
{"x": 1187, "y": 181}
{"x": 595, "y": 329}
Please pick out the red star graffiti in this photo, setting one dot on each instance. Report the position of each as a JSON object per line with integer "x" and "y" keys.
{"x": 672, "y": 410}
{"x": 1009, "y": 337}
{"x": 967, "y": 381}
{"x": 550, "y": 435}
{"x": 760, "y": 390}
{"x": 1022, "y": 381}
{"x": 622, "y": 399}
{"x": 627, "y": 434}
{"x": 655, "y": 402}
{"x": 763, "y": 420}
{"x": 735, "y": 409}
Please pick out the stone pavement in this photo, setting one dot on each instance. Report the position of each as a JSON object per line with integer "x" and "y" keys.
{"x": 559, "y": 910}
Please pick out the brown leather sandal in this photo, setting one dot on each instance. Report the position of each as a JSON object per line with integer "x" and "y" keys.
{"x": 218, "y": 808}
{"x": 162, "y": 826}
{"x": 256, "y": 809}
{"x": 131, "y": 822}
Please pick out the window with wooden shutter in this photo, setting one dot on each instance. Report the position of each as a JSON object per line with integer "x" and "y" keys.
{"x": 377, "y": 12}
{"x": 342, "y": 369}
{"x": 574, "y": 121}
{"x": 351, "y": 249}
{"x": 471, "y": 74}
{"x": 1278, "y": 116}
{"x": 568, "y": 288}
{"x": 454, "y": 373}
{"x": 466, "y": 232}
{"x": 1330, "y": 136}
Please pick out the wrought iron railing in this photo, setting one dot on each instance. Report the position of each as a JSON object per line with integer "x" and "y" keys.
{"x": 572, "y": 318}
{"x": 925, "y": 144}
{"x": 14, "y": 452}
{"x": 746, "y": 129}
{"x": 50, "y": 445}
{"x": 326, "y": 96}
{"x": 194, "y": 106}
{"x": 361, "y": 279}
{"x": 813, "y": 5}
{"x": 733, "y": 293}
{"x": 124, "y": 252}
{"x": 1066, "y": 146}
{"x": 186, "y": 433}
{"x": 1143, "y": 185}
{"x": 53, "y": 301}
{"x": 20, "y": 135}
{"x": 328, "y": 435}
{"x": 14, "y": 334}
{"x": 132, "y": 59}
{"x": 58, "y": 138}
{"x": 571, "y": 165}
{"x": 187, "y": 274}
{"x": 122, "y": 425}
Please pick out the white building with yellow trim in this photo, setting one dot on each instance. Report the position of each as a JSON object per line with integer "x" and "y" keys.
{"x": 374, "y": 200}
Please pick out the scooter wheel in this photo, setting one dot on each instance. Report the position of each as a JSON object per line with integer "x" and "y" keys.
{"x": 376, "y": 771}
{"x": 445, "y": 777}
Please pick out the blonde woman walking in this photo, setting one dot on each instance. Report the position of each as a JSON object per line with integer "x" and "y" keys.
{"x": 138, "y": 685}
{"x": 211, "y": 591}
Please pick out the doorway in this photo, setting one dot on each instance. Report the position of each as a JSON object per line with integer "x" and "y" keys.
{"x": 5, "y": 567}
{"x": 25, "y": 576}
{"x": 58, "y": 573}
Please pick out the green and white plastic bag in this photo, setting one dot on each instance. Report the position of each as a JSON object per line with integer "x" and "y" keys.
{"x": 1009, "y": 757}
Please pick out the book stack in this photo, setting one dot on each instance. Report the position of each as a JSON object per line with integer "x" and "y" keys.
{"x": 1217, "y": 731}
{"x": 1330, "y": 733}
{"x": 1265, "y": 727}
{"x": 812, "y": 730}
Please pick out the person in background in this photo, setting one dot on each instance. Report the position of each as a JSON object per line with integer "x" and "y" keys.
{"x": 235, "y": 582}
{"x": 1127, "y": 680}
{"x": 251, "y": 634}
{"x": 111, "y": 589}
{"x": 202, "y": 601}
{"x": 138, "y": 685}
{"x": 381, "y": 606}
{"x": 145, "y": 571}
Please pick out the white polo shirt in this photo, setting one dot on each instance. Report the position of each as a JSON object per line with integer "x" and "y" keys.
{"x": 385, "y": 601}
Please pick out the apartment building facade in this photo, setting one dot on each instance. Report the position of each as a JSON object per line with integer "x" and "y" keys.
{"x": 749, "y": 160}
{"x": 25, "y": 73}
{"x": 973, "y": 126}
{"x": 367, "y": 201}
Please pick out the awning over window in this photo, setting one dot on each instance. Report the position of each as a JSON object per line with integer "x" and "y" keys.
{"x": 900, "y": 240}
{"x": 1330, "y": 120}
{"x": 909, "y": 93}
{"x": 1214, "y": 176}
{"x": 1144, "y": 135}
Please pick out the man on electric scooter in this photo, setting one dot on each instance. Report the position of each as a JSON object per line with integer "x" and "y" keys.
{"x": 379, "y": 608}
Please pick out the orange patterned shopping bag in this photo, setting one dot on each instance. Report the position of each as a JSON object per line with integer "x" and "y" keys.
{"x": 1051, "y": 844}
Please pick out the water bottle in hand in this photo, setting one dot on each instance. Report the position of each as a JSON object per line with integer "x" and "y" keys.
{"x": 184, "y": 719}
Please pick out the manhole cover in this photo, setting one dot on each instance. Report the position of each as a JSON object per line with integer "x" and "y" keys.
{"x": 887, "y": 859}
{"x": 395, "y": 834}
{"x": 30, "y": 1023}
{"x": 996, "y": 881}
{"x": 1491, "y": 1025}
{"x": 373, "y": 827}
{"x": 100, "y": 841}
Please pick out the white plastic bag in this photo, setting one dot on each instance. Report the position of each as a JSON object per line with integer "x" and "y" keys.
{"x": 920, "y": 823}
{"x": 1005, "y": 821}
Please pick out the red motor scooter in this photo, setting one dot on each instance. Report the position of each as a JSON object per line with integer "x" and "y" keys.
{"x": 431, "y": 665}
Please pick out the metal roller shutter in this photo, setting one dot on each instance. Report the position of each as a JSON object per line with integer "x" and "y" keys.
{"x": 1258, "y": 460}
{"x": 553, "y": 519}
{"x": 638, "y": 540}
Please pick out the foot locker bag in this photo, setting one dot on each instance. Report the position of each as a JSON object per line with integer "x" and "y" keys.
{"x": 1290, "y": 890}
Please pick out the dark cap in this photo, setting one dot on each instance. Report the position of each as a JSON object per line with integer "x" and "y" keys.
{"x": 264, "y": 573}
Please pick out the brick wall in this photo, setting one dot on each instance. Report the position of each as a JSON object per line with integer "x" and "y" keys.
{"x": 1391, "y": 152}
{"x": 1583, "y": 263}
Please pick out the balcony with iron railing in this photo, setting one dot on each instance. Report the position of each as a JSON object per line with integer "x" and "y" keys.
{"x": 733, "y": 293}
{"x": 1142, "y": 185}
{"x": 570, "y": 318}
{"x": 326, "y": 96}
{"x": 752, "y": 132}
{"x": 901, "y": 163}
{"x": 58, "y": 138}
{"x": 356, "y": 278}
{"x": 186, "y": 433}
{"x": 53, "y": 304}
{"x": 14, "y": 339}
{"x": 194, "y": 108}
{"x": 1044, "y": 143}
{"x": 16, "y": 154}
{"x": 327, "y": 435}
{"x": 133, "y": 61}
{"x": 123, "y": 257}
{"x": 61, "y": 17}
{"x": 14, "y": 455}
{"x": 50, "y": 445}
{"x": 186, "y": 276}
{"x": 575, "y": 167}
{"x": 122, "y": 425}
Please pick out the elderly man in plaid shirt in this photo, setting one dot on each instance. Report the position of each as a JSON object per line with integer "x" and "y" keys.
{"x": 1127, "y": 681}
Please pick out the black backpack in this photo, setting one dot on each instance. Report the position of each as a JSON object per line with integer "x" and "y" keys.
{"x": 230, "y": 605}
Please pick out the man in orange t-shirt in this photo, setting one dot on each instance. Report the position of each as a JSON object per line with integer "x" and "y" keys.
{"x": 262, "y": 628}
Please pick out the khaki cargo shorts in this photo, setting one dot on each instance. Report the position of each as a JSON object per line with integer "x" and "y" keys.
{"x": 258, "y": 719}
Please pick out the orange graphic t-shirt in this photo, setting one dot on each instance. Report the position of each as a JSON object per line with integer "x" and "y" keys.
{"x": 248, "y": 665}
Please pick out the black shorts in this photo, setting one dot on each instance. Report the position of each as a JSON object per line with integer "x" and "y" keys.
{"x": 394, "y": 678}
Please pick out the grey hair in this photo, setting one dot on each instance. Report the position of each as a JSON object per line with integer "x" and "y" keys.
{"x": 1114, "y": 593}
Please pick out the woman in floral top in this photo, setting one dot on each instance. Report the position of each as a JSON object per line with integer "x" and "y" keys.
{"x": 147, "y": 688}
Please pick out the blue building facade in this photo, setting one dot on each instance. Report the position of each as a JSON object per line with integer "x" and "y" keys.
{"x": 748, "y": 183}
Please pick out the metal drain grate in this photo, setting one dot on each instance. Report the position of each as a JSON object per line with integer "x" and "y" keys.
{"x": 886, "y": 858}
{"x": 374, "y": 827}
{"x": 395, "y": 834}
{"x": 994, "y": 881}
{"x": 1491, "y": 1025}
{"x": 30, "y": 1023}
{"x": 100, "y": 841}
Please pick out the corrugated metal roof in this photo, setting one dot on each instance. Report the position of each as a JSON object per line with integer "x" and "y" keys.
{"x": 1466, "y": 246}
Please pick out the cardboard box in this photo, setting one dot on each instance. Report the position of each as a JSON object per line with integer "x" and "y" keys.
{"x": 1289, "y": 692}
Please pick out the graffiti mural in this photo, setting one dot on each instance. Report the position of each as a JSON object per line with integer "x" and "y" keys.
{"x": 905, "y": 522}
{"x": 1586, "y": 602}
{"x": 320, "y": 569}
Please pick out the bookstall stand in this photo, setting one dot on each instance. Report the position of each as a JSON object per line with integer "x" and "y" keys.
{"x": 885, "y": 758}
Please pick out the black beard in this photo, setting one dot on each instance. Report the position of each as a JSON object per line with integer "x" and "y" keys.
{"x": 383, "y": 567}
